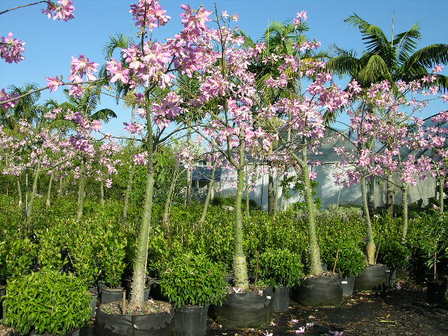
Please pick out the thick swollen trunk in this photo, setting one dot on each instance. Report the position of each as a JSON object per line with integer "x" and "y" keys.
{"x": 102, "y": 193}
{"x": 29, "y": 208}
{"x": 81, "y": 194}
{"x": 168, "y": 201}
{"x": 405, "y": 211}
{"x": 141, "y": 259}
{"x": 127, "y": 194}
{"x": 441, "y": 193}
{"x": 371, "y": 248}
{"x": 208, "y": 198}
{"x": 50, "y": 184}
{"x": 316, "y": 263}
{"x": 239, "y": 259}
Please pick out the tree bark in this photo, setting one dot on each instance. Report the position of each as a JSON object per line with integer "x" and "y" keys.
{"x": 50, "y": 184}
{"x": 271, "y": 194}
{"x": 316, "y": 262}
{"x": 81, "y": 193}
{"x": 404, "y": 192}
{"x": 389, "y": 197}
{"x": 19, "y": 191}
{"x": 208, "y": 198}
{"x": 371, "y": 248}
{"x": 441, "y": 194}
{"x": 102, "y": 193}
{"x": 168, "y": 201}
{"x": 127, "y": 194}
{"x": 239, "y": 259}
{"x": 29, "y": 208}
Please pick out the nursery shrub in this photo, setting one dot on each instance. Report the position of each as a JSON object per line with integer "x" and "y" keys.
{"x": 48, "y": 302}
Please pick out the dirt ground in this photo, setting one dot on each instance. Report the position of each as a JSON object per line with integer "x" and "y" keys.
{"x": 396, "y": 313}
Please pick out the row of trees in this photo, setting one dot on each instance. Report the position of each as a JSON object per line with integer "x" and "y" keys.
{"x": 268, "y": 102}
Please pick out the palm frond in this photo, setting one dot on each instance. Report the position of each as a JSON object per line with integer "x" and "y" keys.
{"x": 375, "y": 70}
{"x": 406, "y": 43}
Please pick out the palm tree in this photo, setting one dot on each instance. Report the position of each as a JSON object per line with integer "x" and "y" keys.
{"x": 394, "y": 59}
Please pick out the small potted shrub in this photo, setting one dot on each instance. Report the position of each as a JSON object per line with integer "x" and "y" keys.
{"x": 349, "y": 261}
{"x": 47, "y": 302}
{"x": 192, "y": 283}
{"x": 281, "y": 270}
{"x": 396, "y": 255}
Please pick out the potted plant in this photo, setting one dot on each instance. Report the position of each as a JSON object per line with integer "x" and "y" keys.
{"x": 281, "y": 270}
{"x": 192, "y": 282}
{"x": 47, "y": 302}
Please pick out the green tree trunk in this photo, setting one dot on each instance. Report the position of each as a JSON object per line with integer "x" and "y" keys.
{"x": 208, "y": 197}
{"x": 127, "y": 194}
{"x": 29, "y": 208}
{"x": 50, "y": 184}
{"x": 441, "y": 194}
{"x": 239, "y": 259}
{"x": 316, "y": 262}
{"x": 404, "y": 191}
{"x": 19, "y": 191}
{"x": 271, "y": 194}
{"x": 168, "y": 201}
{"x": 371, "y": 248}
{"x": 102, "y": 193}
{"x": 81, "y": 193}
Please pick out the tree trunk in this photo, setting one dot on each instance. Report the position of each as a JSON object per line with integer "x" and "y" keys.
{"x": 188, "y": 189}
{"x": 102, "y": 193}
{"x": 389, "y": 197}
{"x": 371, "y": 248}
{"x": 19, "y": 191}
{"x": 271, "y": 194}
{"x": 168, "y": 201}
{"x": 48, "y": 200}
{"x": 208, "y": 198}
{"x": 405, "y": 211}
{"x": 60, "y": 187}
{"x": 81, "y": 193}
{"x": 239, "y": 259}
{"x": 441, "y": 194}
{"x": 141, "y": 255}
{"x": 316, "y": 263}
{"x": 127, "y": 194}
{"x": 29, "y": 208}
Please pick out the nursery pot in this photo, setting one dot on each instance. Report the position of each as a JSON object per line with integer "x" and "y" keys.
{"x": 319, "y": 291}
{"x": 243, "y": 310}
{"x": 372, "y": 277}
{"x": 279, "y": 297}
{"x": 190, "y": 321}
{"x": 109, "y": 295}
{"x": 156, "y": 292}
{"x": 93, "y": 300}
{"x": 151, "y": 324}
{"x": 2, "y": 294}
{"x": 347, "y": 284}
{"x": 437, "y": 291}
{"x": 391, "y": 278}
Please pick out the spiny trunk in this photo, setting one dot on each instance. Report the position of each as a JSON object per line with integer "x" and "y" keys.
{"x": 316, "y": 263}
{"x": 102, "y": 193}
{"x": 208, "y": 198}
{"x": 239, "y": 259}
{"x": 128, "y": 191}
{"x": 19, "y": 191}
{"x": 405, "y": 211}
{"x": 141, "y": 255}
{"x": 371, "y": 248}
{"x": 29, "y": 208}
{"x": 50, "y": 184}
{"x": 441, "y": 194}
{"x": 81, "y": 193}
{"x": 168, "y": 201}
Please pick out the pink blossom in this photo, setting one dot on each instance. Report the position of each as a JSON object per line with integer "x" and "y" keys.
{"x": 80, "y": 67}
{"x": 300, "y": 17}
{"x": 11, "y": 49}
{"x": 133, "y": 127}
{"x": 62, "y": 10}
{"x": 54, "y": 83}
{"x": 148, "y": 14}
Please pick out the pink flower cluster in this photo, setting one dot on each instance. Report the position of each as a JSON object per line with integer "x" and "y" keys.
{"x": 148, "y": 14}
{"x": 11, "y": 49}
{"x": 60, "y": 10}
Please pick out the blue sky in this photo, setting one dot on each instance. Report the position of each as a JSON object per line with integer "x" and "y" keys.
{"x": 50, "y": 44}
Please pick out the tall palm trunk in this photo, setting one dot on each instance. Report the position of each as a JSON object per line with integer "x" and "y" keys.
{"x": 239, "y": 259}
{"x": 50, "y": 184}
{"x": 371, "y": 248}
{"x": 405, "y": 205}
{"x": 141, "y": 259}
{"x": 316, "y": 263}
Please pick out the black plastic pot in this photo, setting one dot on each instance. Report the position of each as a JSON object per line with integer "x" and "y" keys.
{"x": 2, "y": 294}
{"x": 156, "y": 292}
{"x": 391, "y": 278}
{"x": 279, "y": 297}
{"x": 371, "y": 278}
{"x": 156, "y": 324}
{"x": 347, "y": 284}
{"x": 319, "y": 291}
{"x": 243, "y": 310}
{"x": 109, "y": 295}
{"x": 190, "y": 321}
{"x": 437, "y": 291}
